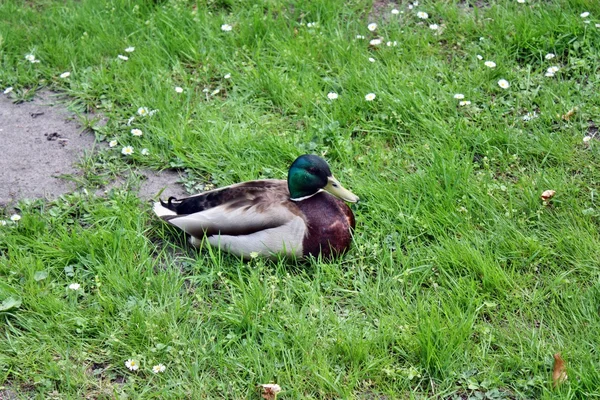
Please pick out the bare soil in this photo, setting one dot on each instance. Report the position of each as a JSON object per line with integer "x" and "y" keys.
{"x": 40, "y": 146}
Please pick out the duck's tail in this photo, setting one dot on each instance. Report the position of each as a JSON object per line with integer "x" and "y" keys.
{"x": 165, "y": 210}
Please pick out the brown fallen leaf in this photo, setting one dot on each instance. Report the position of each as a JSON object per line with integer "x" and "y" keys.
{"x": 559, "y": 373}
{"x": 270, "y": 390}
{"x": 548, "y": 194}
{"x": 569, "y": 114}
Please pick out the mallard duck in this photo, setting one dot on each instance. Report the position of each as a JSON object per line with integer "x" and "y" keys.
{"x": 304, "y": 216}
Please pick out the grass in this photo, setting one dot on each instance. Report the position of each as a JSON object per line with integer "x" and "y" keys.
{"x": 461, "y": 282}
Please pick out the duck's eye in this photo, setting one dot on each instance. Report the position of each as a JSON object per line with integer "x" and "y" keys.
{"x": 335, "y": 185}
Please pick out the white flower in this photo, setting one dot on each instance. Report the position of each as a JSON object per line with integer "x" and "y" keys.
{"x": 370, "y": 97}
{"x": 178, "y": 89}
{"x": 311, "y": 25}
{"x": 371, "y": 59}
{"x": 415, "y": 3}
{"x": 521, "y": 1}
{"x": 464, "y": 102}
{"x": 490, "y": 64}
{"x": 130, "y": 49}
{"x": 372, "y": 27}
{"x": 74, "y": 286}
{"x": 529, "y": 116}
{"x": 152, "y": 112}
{"x": 158, "y": 368}
{"x": 597, "y": 25}
{"x": 332, "y": 95}
{"x": 503, "y": 83}
{"x": 587, "y": 21}
{"x": 227, "y": 76}
{"x": 270, "y": 389}
{"x": 434, "y": 27}
{"x": 394, "y": 43}
{"x": 549, "y": 56}
{"x": 65, "y": 74}
{"x": 375, "y": 42}
{"x": 112, "y": 143}
{"x": 553, "y": 69}
{"x": 137, "y": 132}
{"x": 143, "y": 111}
{"x": 145, "y": 151}
{"x": 216, "y": 91}
{"x": 422, "y": 15}
{"x": 410, "y": 6}
{"x": 8, "y": 90}
{"x": 586, "y": 139}
{"x": 549, "y": 74}
{"x": 132, "y": 364}
{"x": 130, "y": 120}
{"x": 360, "y": 37}
{"x": 127, "y": 150}
{"x": 15, "y": 217}
{"x": 30, "y": 57}
{"x": 479, "y": 57}
{"x": 226, "y": 27}
{"x": 3, "y": 222}
{"x": 122, "y": 57}
{"x": 459, "y": 96}
{"x": 395, "y": 11}
{"x": 584, "y": 14}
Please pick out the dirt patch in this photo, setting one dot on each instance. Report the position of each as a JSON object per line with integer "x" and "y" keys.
{"x": 41, "y": 144}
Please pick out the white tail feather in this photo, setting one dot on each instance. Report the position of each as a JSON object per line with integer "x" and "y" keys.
{"x": 162, "y": 211}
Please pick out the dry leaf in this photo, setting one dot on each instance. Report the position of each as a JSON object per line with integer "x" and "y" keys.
{"x": 559, "y": 373}
{"x": 548, "y": 194}
{"x": 270, "y": 390}
{"x": 569, "y": 114}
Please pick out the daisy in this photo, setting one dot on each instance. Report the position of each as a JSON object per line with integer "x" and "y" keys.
{"x": 136, "y": 132}
{"x": 394, "y": 43}
{"x": 464, "y": 103}
{"x": 130, "y": 49}
{"x": 503, "y": 83}
{"x": 584, "y": 14}
{"x": 479, "y": 57}
{"x": 521, "y": 1}
{"x": 597, "y": 25}
{"x": 422, "y": 15}
{"x": 395, "y": 11}
{"x": 8, "y": 90}
{"x": 132, "y": 364}
{"x": 122, "y": 57}
{"x": 549, "y": 56}
{"x": 372, "y": 27}
{"x": 586, "y": 139}
{"x": 459, "y": 96}
{"x": 371, "y": 59}
{"x": 158, "y": 368}
{"x": 490, "y": 64}
{"x": 434, "y": 27}
{"x": 226, "y": 27}
{"x": 549, "y": 74}
{"x": 410, "y": 6}
{"x": 30, "y": 58}
{"x": 145, "y": 151}
{"x": 65, "y": 74}
{"x": 332, "y": 95}
{"x": 112, "y": 143}
{"x": 529, "y": 116}
{"x": 143, "y": 111}
{"x": 127, "y": 150}
{"x": 311, "y": 25}
{"x": 227, "y": 76}
{"x": 375, "y": 42}
{"x": 370, "y": 97}
{"x": 553, "y": 69}
{"x": 360, "y": 37}
{"x": 178, "y": 89}
{"x": 74, "y": 286}
{"x": 15, "y": 217}
{"x": 3, "y": 222}
{"x": 216, "y": 91}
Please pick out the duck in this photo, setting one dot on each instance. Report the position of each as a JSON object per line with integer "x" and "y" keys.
{"x": 305, "y": 215}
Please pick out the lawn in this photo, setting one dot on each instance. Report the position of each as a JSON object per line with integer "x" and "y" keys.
{"x": 449, "y": 119}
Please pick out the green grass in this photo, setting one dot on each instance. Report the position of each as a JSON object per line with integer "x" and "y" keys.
{"x": 461, "y": 282}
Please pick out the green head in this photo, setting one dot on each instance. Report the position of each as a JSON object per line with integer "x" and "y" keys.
{"x": 310, "y": 174}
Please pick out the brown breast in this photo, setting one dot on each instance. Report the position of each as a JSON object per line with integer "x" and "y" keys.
{"x": 330, "y": 223}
